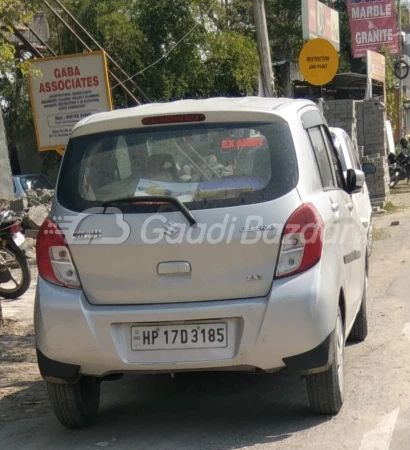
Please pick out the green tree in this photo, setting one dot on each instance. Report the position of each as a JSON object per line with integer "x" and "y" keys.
{"x": 284, "y": 28}
{"x": 110, "y": 24}
{"x": 174, "y": 36}
{"x": 391, "y": 88}
{"x": 233, "y": 64}
{"x": 196, "y": 49}
{"x": 13, "y": 12}
{"x": 234, "y": 15}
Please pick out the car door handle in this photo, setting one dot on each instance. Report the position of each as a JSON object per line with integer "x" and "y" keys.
{"x": 170, "y": 268}
{"x": 350, "y": 206}
{"x": 335, "y": 207}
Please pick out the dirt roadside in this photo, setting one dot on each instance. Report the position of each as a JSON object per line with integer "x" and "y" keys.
{"x": 18, "y": 367}
{"x": 219, "y": 411}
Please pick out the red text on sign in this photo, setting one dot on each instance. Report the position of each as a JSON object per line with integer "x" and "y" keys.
{"x": 69, "y": 78}
{"x": 67, "y": 72}
{"x": 241, "y": 143}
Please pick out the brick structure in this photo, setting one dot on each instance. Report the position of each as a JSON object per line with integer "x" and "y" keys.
{"x": 365, "y": 123}
{"x": 372, "y": 135}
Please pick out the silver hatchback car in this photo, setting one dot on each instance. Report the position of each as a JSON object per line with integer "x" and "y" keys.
{"x": 202, "y": 235}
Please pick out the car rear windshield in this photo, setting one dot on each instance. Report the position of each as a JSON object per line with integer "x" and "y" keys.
{"x": 206, "y": 166}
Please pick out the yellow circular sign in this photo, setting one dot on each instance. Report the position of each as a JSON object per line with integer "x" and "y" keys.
{"x": 318, "y": 62}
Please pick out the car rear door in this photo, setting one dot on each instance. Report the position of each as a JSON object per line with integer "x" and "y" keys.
{"x": 237, "y": 180}
{"x": 355, "y": 259}
{"x": 345, "y": 220}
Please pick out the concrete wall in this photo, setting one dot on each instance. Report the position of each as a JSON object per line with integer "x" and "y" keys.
{"x": 342, "y": 114}
{"x": 365, "y": 123}
{"x": 6, "y": 182}
{"x": 28, "y": 156}
{"x": 372, "y": 136}
{"x": 30, "y": 160}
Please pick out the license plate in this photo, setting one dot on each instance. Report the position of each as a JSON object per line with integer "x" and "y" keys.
{"x": 18, "y": 239}
{"x": 177, "y": 337}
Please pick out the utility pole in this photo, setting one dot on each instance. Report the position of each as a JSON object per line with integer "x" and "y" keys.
{"x": 266, "y": 78}
{"x": 400, "y": 81}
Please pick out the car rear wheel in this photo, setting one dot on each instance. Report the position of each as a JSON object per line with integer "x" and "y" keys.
{"x": 359, "y": 330}
{"x": 325, "y": 389}
{"x": 75, "y": 405}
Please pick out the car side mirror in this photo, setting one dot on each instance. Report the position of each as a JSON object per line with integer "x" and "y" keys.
{"x": 355, "y": 180}
{"x": 369, "y": 168}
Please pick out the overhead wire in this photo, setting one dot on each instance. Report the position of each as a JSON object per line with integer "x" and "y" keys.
{"x": 171, "y": 49}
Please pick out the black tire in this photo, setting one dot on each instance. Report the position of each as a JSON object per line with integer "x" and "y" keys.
{"x": 398, "y": 69}
{"x": 75, "y": 405}
{"x": 325, "y": 389}
{"x": 359, "y": 330}
{"x": 25, "y": 275}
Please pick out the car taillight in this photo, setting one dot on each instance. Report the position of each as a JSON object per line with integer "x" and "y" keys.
{"x": 302, "y": 242}
{"x": 53, "y": 256}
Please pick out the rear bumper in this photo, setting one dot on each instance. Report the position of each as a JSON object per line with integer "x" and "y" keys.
{"x": 291, "y": 327}
{"x": 313, "y": 361}
{"x": 57, "y": 371}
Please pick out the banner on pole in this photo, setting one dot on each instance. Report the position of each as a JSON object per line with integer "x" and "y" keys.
{"x": 320, "y": 21}
{"x": 372, "y": 25}
{"x": 376, "y": 70}
{"x": 68, "y": 89}
{"x": 376, "y": 66}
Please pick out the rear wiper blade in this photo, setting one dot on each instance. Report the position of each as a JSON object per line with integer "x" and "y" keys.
{"x": 154, "y": 199}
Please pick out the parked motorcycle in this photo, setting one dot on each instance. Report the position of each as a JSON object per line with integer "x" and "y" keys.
{"x": 399, "y": 168}
{"x": 15, "y": 273}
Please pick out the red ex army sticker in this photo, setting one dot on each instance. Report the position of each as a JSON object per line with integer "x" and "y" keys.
{"x": 241, "y": 143}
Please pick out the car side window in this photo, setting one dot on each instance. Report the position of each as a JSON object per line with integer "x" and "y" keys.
{"x": 352, "y": 152}
{"x": 322, "y": 157}
{"x": 334, "y": 158}
{"x": 340, "y": 152}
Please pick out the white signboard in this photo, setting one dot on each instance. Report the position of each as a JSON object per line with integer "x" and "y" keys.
{"x": 320, "y": 21}
{"x": 67, "y": 89}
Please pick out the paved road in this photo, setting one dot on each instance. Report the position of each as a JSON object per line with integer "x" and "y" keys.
{"x": 236, "y": 411}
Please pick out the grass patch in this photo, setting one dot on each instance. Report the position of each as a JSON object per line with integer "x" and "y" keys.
{"x": 391, "y": 208}
{"x": 380, "y": 234}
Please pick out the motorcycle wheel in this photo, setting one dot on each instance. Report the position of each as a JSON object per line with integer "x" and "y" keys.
{"x": 13, "y": 262}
